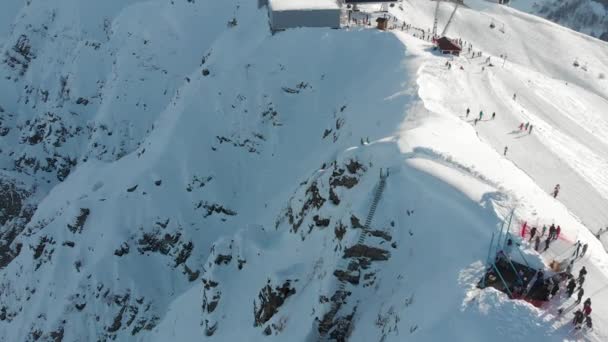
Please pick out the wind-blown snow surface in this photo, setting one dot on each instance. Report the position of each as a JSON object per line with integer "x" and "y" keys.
{"x": 183, "y": 175}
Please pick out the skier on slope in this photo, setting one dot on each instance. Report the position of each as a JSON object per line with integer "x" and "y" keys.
{"x": 493, "y": 115}
{"x": 480, "y": 114}
{"x": 505, "y": 152}
{"x": 556, "y": 190}
{"x": 530, "y": 131}
{"x": 577, "y": 250}
{"x": 570, "y": 287}
{"x": 589, "y": 322}
{"x": 468, "y": 111}
{"x": 584, "y": 250}
{"x": 521, "y": 126}
{"x": 544, "y": 230}
{"x": 581, "y": 281}
{"x": 527, "y": 125}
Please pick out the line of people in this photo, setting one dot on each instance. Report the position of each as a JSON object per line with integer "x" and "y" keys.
{"x": 527, "y": 126}
{"x": 537, "y": 235}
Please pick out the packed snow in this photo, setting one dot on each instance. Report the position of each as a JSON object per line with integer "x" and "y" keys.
{"x": 174, "y": 171}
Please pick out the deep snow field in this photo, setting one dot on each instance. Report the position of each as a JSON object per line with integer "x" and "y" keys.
{"x": 177, "y": 172}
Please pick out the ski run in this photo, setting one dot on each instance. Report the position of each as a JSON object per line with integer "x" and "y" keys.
{"x": 309, "y": 184}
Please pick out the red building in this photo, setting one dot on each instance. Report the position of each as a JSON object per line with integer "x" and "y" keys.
{"x": 448, "y": 46}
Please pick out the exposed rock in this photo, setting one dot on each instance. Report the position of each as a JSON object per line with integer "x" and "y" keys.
{"x": 184, "y": 254}
{"x": 355, "y": 223}
{"x": 340, "y": 230}
{"x": 348, "y": 277}
{"x": 223, "y": 259}
{"x": 320, "y": 222}
{"x": 152, "y": 242}
{"x": 364, "y": 251}
{"x": 342, "y": 327}
{"x": 270, "y": 301}
{"x": 268, "y": 331}
{"x": 333, "y": 197}
{"x": 122, "y": 250}
{"x": 381, "y": 234}
{"x": 81, "y": 219}
{"x": 354, "y": 166}
{"x": 215, "y": 208}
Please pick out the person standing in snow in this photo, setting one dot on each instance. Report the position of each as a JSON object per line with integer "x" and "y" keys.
{"x": 530, "y": 131}
{"x": 589, "y": 322}
{"x": 523, "y": 229}
{"x": 558, "y": 230}
{"x": 480, "y": 114}
{"x": 468, "y": 111}
{"x": 551, "y": 231}
{"x": 581, "y": 281}
{"x": 505, "y": 152}
{"x": 547, "y": 243}
{"x": 544, "y": 230}
{"x": 493, "y": 115}
{"x": 475, "y": 121}
{"x": 584, "y": 250}
{"x": 577, "y": 248}
{"x": 521, "y": 126}
{"x": 556, "y": 190}
{"x": 582, "y": 273}
{"x": 587, "y": 302}
{"x": 587, "y": 310}
{"x": 514, "y": 96}
{"x": 570, "y": 287}
{"x": 578, "y": 319}
{"x": 579, "y": 295}
{"x": 527, "y": 125}
{"x": 536, "y": 243}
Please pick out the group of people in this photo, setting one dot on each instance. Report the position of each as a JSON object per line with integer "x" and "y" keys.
{"x": 544, "y": 286}
{"x": 468, "y": 111}
{"x": 538, "y": 234}
{"x": 583, "y": 314}
{"x": 527, "y": 126}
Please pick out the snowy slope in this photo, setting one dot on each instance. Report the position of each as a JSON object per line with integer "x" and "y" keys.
{"x": 181, "y": 173}
{"x": 586, "y": 16}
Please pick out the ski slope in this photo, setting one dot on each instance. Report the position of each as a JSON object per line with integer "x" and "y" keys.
{"x": 224, "y": 207}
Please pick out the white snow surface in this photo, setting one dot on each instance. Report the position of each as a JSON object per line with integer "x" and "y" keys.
{"x": 208, "y": 156}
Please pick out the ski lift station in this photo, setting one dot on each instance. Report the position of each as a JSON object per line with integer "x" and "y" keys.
{"x": 285, "y": 14}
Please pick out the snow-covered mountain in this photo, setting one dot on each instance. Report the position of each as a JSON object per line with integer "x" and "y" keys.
{"x": 586, "y": 16}
{"x": 171, "y": 170}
